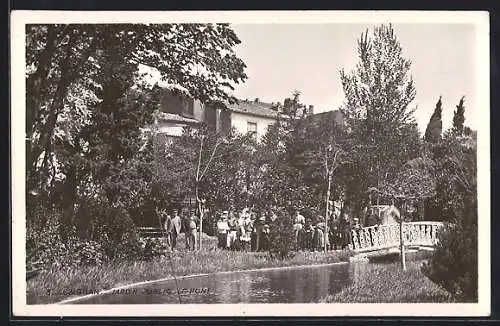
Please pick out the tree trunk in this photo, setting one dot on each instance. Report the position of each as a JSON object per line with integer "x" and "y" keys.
{"x": 69, "y": 198}
{"x": 327, "y": 209}
{"x": 200, "y": 207}
{"x": 37, "y": 82}
{"x": 401, "y": 242}
{"x": 68, "y": 76}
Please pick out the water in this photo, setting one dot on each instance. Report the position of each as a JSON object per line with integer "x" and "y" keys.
{"x": 289, "y": 285}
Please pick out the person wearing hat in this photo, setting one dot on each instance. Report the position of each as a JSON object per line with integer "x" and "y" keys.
{"x": 222, "y": 229}
{"x": 319, "y": 237}
{"x": 232, "y": 233}
{"x": 308, "y": 234}
{"x": 246, "y": 238}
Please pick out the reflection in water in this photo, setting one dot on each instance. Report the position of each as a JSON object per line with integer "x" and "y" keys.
{"x": 290, "y": 285}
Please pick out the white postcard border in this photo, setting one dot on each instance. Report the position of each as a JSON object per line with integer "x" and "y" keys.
{"x": 20, "y": 18}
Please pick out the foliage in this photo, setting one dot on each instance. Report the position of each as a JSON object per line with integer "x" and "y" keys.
{"x": 281, "y": 235}
{"x": 459, "y": 118}
{"x": 435, "y": 125}
{"x": 414, "y": 181}
{"x": 455, "y": 173}
{"x": 46, "y": 249}
{"x": 225, "y": 167}
{"x": 454, "y": 264}
{"x": 281, "y": 180}
{"x": 86, "y": 104}
{"x": 152, "y": 247}
{"x": 388, "y": 283}
{"x": 114, "y": 273}
{"x": 377, "y": 112}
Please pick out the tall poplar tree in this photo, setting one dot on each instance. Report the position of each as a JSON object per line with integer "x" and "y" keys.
{"x": 377, "y": 109}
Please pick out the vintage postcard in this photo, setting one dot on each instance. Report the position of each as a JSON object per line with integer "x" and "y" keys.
{"x": 258, "y": 163}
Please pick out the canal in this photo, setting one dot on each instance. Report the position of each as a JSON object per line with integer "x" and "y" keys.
{"x": 284, "y": 285}
{"x": 304, "y": 284}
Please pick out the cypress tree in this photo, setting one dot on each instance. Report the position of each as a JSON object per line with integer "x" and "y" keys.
{"x": 435, "y": 125}
{"x": 459, "y": 118}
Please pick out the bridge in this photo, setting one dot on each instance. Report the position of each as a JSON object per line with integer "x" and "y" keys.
{"x": 384, "y": 238}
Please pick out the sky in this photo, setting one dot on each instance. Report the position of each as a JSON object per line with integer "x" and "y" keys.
{"x": 281, "y": 58}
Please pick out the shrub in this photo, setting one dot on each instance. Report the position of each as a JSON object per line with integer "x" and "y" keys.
{"x": 454, "y": 263}
{"x": 281, "y": 236}
{"x": 46, "y": 247}
{"x": 152, "y": 247}
{"x": 53, "y": 243}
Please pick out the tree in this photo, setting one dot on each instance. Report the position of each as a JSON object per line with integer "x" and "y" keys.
{"x": 413, "y": 183}
{"x": 459, "y": 118}
{"x": 215, "y": 169}
{"x": 454, "y": 263}
{"x": 64, "y": 63}
{"x": 87, "y": 102}
{"x": 377, "y": 110}
{"x": 435, "y": 125}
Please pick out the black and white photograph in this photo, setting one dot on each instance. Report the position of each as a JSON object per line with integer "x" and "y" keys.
{"x": 273, "y": 163}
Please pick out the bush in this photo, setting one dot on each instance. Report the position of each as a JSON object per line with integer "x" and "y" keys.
{"x": 53, "y": 243}
{"x": 454, "y": 263}
{"x": 281, "y": 236}
{"x": 152, "y": 247}
{"x": 45, "y": 247}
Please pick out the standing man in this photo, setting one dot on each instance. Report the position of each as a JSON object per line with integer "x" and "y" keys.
{"x": 259, "y": 227}
{"x": 167, "y": 226}
{"x": 252, "y": 226}
{"x": 176, "y": 228}
{"x": 185, "y": 218}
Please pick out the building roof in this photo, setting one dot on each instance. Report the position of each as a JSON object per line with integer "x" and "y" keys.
{"x": 172, "y": 117}
{"x": 334, "y": 115}
{"x": 257, "y": 108}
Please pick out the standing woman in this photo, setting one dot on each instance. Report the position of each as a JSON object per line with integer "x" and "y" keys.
{"x": 231, "y": 238}
{"x": 297, "y": 226}
{"x": 247, "y": 238}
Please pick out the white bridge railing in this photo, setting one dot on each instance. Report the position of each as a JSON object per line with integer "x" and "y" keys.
{"x": 386, "y": 236}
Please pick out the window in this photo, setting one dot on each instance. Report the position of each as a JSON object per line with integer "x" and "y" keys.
{"x": 252, "y": 128}
{"x": 188, "y": 104}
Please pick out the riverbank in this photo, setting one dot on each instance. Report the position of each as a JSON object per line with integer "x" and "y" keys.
{"x": 55, "y": 284}
{"x": 388, "y": 283}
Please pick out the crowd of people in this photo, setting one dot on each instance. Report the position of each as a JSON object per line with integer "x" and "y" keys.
{"x": 175, "y": 224}
{"x": 248, "y": 230}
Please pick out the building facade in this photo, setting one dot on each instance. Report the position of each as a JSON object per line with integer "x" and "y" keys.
{"x": 244, "y": 117}
{"x": 248, "y": 117}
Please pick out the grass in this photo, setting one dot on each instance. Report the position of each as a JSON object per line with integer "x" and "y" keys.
{"x": 388, "y": 283}
{"x": 65, "y": 283}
